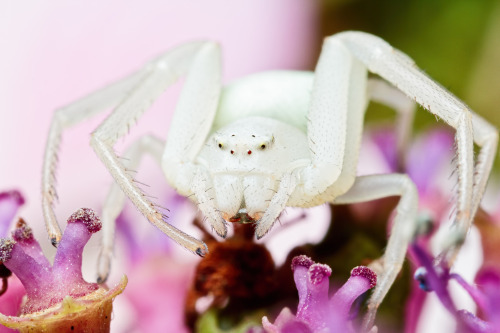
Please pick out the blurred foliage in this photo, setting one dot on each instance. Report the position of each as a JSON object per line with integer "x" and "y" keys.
{"x": 456, "y": 42}
{"x": 210, "y": 322}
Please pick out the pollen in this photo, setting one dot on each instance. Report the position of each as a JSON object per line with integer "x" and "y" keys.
{"x": 88, "y": 217}
{"x": 22, "y": 232}
{"x": 6, "y": 246}
{"x": 366, "y": 273}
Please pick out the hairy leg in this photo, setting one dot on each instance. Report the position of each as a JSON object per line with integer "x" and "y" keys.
{"x": 398, "y": 69}
{"x": 115, "y": 200}
{"x": 373, "y": 187}
{"x": 131, "y": 96}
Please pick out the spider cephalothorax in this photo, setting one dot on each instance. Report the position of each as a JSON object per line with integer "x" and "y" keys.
{"x": 246, "y": 160}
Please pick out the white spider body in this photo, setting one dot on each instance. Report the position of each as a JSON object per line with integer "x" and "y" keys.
{"x": 282, "y": 95}
{"x": 303, "y": 131}
{"x": 246, "y": 168}
{"x": 267, "y": 110}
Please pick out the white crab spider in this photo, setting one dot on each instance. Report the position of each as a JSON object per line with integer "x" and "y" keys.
{"x": 275, "y": 139}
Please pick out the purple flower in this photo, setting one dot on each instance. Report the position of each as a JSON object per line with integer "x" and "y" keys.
{"x": 316, "y": 311}
{"x": 435, "y": 278}
{"x": 57, "y": 296}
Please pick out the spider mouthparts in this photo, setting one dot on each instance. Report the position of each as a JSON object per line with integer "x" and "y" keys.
{"x": 242, "y": 217}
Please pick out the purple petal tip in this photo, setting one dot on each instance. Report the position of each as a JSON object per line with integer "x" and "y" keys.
{"x": 22, "y": 232}
{"x": 301, "y": 260}
{"x": 318, "y": 272}
{"x": 366, "y": 273}
{"x": 6, "y": 246}
{"x": 88, "y": 217}
{"x": 14, "y": 194}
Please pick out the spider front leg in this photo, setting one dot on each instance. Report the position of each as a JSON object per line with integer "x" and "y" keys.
{"x": 200, "y": 62}
{"x": 67, "y": 117}
{"x": 336, "y": 115}
{"x": 400, "y": 70}
{"x": 115, "y": 200}
{"x": 334, "y": 131}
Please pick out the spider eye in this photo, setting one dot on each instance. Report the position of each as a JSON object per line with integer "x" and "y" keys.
{"x": 220, "y": 145}
{"x": 262, "y": 146}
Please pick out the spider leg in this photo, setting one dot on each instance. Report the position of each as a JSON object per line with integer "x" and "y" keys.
{"x": 133, "y": 96}
{"x": 67, "y": 117}
{"x": 340, "y": 89}
{"x": 340, "y": 95}
{"x": 335, "y": 121}
{"x": 115, "y": 200}
{"x": 200, "y": 62}
{"x": 382, "y": 92}
{"x": 373, "y": 187}
{"x": 189, "y": 129}
{"x": 398, "y": 69}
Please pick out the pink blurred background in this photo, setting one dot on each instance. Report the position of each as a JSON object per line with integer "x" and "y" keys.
{"x": 53, "y": 53}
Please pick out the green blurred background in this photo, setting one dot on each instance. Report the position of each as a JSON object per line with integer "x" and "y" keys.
{"x": 456, "y": 42}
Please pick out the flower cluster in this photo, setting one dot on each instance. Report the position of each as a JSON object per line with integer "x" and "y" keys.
{"x": 317, "y": 312}
{"x": 58, "y": 299}
{"x": 435, "y": 278}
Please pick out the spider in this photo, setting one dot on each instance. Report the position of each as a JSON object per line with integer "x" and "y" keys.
{"x": 245, "y": 151}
